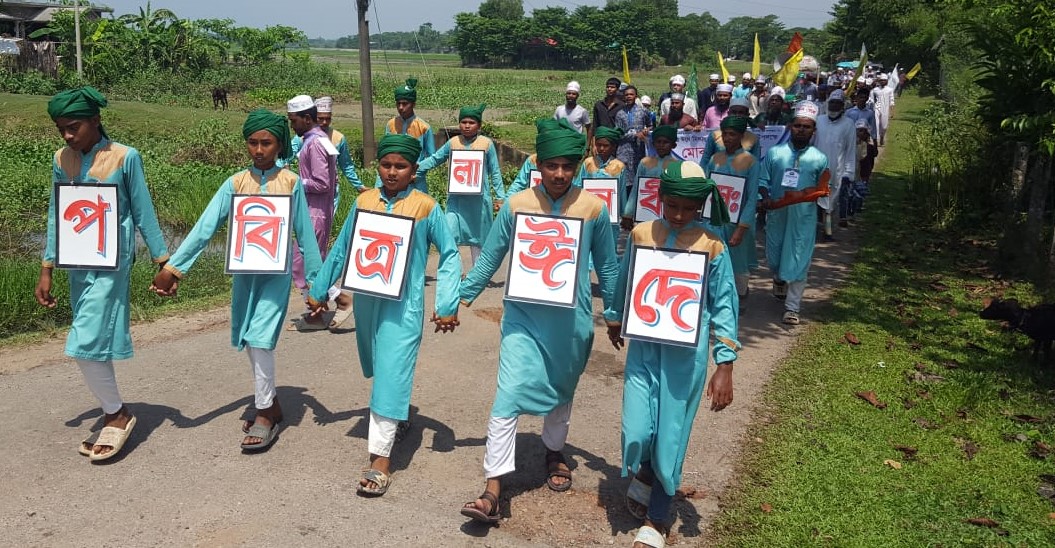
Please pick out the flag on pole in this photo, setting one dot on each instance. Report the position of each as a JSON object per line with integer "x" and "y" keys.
{"x": 693, "y": 85}
{"x": 721, "y": 65}
{"x": 913, "y": 71}
{"x": 756, "y": 63}
{"x": 860, "y": 71}
{"x": 626, "y": 67}
{"x": 789, "y": 68}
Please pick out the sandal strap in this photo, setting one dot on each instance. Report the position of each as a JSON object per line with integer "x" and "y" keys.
{"x": 376, "y": 477}
{"x": 491, "y": 499}
{"x": 110, "y": 436}
{"x": 650, "y": 537}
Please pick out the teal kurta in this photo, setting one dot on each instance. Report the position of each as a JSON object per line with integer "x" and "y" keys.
{"x": 544, "y": 348}
{"x": 648, "y": 167}
{"x": 100, "y": 328}
{"x": 470, "y": 217}
{"x": 791, "y": 231}
{"x": 663, "y": 383}
{"x": 388, "y": 332}
{"x": 258, "y": 301}
{"x": 741, "y": 164}
{"x": 715, "y": 145}
{"x": 523, "y": 179}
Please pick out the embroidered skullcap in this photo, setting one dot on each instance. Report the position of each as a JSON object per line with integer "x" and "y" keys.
{"x": 324, "y": 104}
{"x": 677, "y": 96}
{"x": 573, "y": 86}
{"x": 778, "y": 91}
{"x": 807, "y": 109}
{"x": 300, "y": 103}
{"x": 725, "y": 87}
{"x": 646, "y": 100}
{"x": 677, "y": 79}
{"x": 714, "y": 77}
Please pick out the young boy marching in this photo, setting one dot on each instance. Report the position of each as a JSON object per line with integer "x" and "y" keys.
{"x": 663, "y": 383}
{"x": 663, "y": 140}
{"x": 99, "y": 333}
{"x": 258, "y": 301}
{"x": 407, "y": 122}
{"x": 389, "y": 330}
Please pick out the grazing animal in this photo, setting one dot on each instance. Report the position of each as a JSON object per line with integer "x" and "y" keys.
{"x": 219, "y": 97}
{"x": 1037, "y": 322}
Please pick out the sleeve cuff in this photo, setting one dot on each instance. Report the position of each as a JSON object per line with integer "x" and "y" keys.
{"x": 163, "y": 258}
{"x": 47, "y": 264}
{"x": 172, "y": 270}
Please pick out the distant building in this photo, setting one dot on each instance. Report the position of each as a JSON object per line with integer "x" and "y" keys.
{"x": 18, "y": 18}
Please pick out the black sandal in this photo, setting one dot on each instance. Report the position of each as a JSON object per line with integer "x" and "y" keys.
{"x": 553, "y": 461}
{"x": 471, "y": 511}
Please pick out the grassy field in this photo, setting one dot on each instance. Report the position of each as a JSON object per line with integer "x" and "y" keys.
{"x": 958, "y": 453}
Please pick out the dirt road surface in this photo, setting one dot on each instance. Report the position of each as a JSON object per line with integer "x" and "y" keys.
{"x": 183, "y": 481}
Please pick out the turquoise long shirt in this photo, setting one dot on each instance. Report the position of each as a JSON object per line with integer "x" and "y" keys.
{"x": 714, "y": 145}
{"x": 544, "y": 348}
{"x": 418, "y": 129}
{"x": 100, "y": 328}
{"x": 388, "y": 332}
{"x": 523, "y": 179}
{"x": 740, "y": 163}
{"x": 258, "y": 301}
{"x": 469, "y": 217}
{"x": 648, "y": 167}
{"x": 595, "y": 168}
{"x": 791, "y": 232}
{"x": 663, "y": 383}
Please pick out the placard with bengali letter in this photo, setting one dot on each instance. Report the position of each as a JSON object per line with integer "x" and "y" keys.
{"x": 690, "y": 145}
{"x": 545, "y": 259}
{"x": 466, "y": 175}
{"x": 731, "y": 187}
{"x": 665, "y": 291}
{"x": 770, "y": 137}
{"x": 258, "y": 234}
{"x": 607, "y": 190}
{"x": 86, "y": 227}
{"x": 649, "y": 206}
{"x": 534, "y": 178}
{"x": 379, "y": 254}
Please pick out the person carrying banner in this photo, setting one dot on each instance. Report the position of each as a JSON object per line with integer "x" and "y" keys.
{"x": 99, "y": 332}
{"x": 389, "y": 331}
{"x": 793, "y": 171}
{"x": 663, "y": 383}
{"x": 720, "y": 108}
{"x": 544, "y": 348}
{"x": 258, "y": 301}
{"x": 663, "y": 140}
{"x": 469, "y": 217}
{"x": 734, "y": 159}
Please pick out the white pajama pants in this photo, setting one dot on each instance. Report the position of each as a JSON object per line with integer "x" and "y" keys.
{"x": 794, "y": 298}
{"x": 102, "y": 381}
{"x": 263, "y": 363}
{"x": 381, "y": 435}
{"x": 500, "y": 458}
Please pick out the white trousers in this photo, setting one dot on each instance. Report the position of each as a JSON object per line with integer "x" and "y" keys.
{"x": 474, "y": 254}
{"x": 382, "y": 435}
{"x": 794, "y": 299}
{"x": 263, "y": 362}
{"x": 742, "y": 281}
{"x": 500, "y": 458}
{"x": 102, "y": 381}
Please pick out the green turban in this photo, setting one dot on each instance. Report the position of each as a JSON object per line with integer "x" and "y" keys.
{"x": 687, "y": 180}
{"x": 670, "y": 132}
{"x": 558, "y": 139}
{"x": 401, "y": 144}
{"x": 613, "y": 135}
{"x": 77, "y": 103}
{"x": 263, "y": 119}
{"x": 476, "y": 113}
{"x": 408, "y": 91}
{"x": 738, "y": 123}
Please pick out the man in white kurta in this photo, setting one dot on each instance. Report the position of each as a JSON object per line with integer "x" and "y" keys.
{"x": 882, "y": 98}
{"x": 837, "y": 139}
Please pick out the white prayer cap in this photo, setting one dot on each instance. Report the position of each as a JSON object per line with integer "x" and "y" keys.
{"x": 760, "y": 80}
{"x": 868, "y": 81}
{"x": 677, "y": 79}
{"x": 300, "y": 103}
{"x": 732, "y": 78}
{"x": 725, "y": 87}
{"x": 324, "y": 104}
{"x": 861, "y": 124}
{"x": 714, "y": 77}
{"x": 573, "y": 86}
{"x": 806, "y": 109}
{"x": 861, "y": 79}
{"x": 646, "y": 100}
{"x": 740, "y": 102}
{"x": 837, "y": 95}
{"x": 677, "y": 96}
{"x": 883, "y": 76}
{"x": 747, "y": 75}
{"x": 777, "y": 90}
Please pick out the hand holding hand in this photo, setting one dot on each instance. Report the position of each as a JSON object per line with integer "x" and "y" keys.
{"x": 165, "y": 284}
{"x": 615, "y": 336}
{"x": 445, "y": 324}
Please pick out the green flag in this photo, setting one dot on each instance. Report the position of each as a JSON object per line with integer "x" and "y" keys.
{"x": 693, "y": 85}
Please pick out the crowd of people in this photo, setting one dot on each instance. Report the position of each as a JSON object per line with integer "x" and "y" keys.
{"x": 814, "y": 176}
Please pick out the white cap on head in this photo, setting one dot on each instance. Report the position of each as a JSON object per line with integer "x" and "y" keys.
{"x": 740, "y": 102}
{"x": 861, "y": 79}
{"x": 747, "y": 75}
{"x": 868, "y": 81}
{"x": 646, "y": 100}
{"x": 677, "y": 79}
{"x": 778, "y": 91}
{"x": 715, "y": 77}
{"x": 732, "y": 78}
{"x": 677, "y": 96}
{"x": 324, "y": 104}
{"x": 883, "y": 76}
{"x": 573, "y": 86}
{"x": 300, "y": 103}
{"x": 725, "y": 87}
{"x": 837, "y": 95}
{"x": 807, "y": 109}
{"x": 760, "y": 80}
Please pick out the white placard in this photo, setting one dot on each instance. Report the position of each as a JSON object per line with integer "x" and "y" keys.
{"x": 534, "y": 178}
{"x": 731, "y": 188}
{"x": 608, "y": 191}
{"x": 666, "y": 289}
{"x": 466, "y": 175}
{"x": 379, "y": 254}
{"x": 259, "y": 234}
{"x": 649, "y": 206}
{"x": 86, "y": 223}
{"x": 544, "y": 259}
{"x": 769, "y": 137}
{"x": 690, "y": 145}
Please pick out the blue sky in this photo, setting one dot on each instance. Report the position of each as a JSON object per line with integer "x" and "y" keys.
{"x": 336, "y": 18}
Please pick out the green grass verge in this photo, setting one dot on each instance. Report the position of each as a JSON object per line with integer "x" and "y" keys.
{"x": 965, "y": 402}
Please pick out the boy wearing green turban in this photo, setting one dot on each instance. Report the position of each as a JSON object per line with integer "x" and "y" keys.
{"x": 544, "y": 348}
{"x": 99, "y": 332}
{"x": 258, "y": 301}
{"x": 405, "y": 122}
{"x": 604, "y": 165}
{"x": 650, "y": 167}
{"x": 663, "y": 383}
{"x": 748, "y": 142}
{"x": 470, "y": 216}
{"x": 388, "y": 332}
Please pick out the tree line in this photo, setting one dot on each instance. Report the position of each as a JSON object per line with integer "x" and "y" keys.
{"x": 425, "y": 40}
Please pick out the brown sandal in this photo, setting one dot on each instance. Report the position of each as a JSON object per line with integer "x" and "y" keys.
{"x": 553, "y": 461}
{"x": 471, "y": 511}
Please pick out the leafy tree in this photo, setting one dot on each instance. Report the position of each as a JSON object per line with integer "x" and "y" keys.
{"x": 508, "y": 10}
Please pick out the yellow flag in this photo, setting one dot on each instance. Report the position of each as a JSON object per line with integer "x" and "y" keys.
{"x": 756, "y": 63}
{"x": 860, "y": 71}
{"x": 790, "y": 71}
{"x": 913, "y": 71}
{"x": 626, "y": 67}
{"x": 721, "y": 65}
